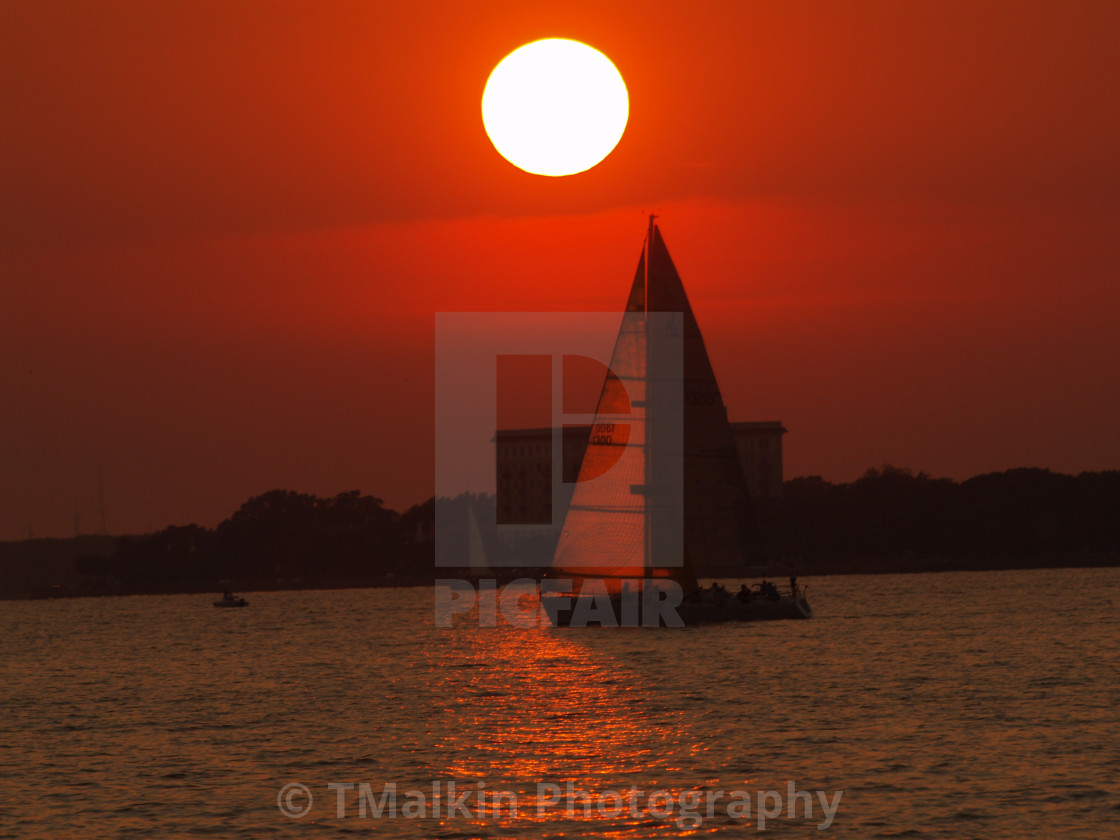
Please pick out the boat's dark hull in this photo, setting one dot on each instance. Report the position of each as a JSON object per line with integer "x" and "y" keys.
{"x": 564, "y": 611}
{"x": 756, "y": 609}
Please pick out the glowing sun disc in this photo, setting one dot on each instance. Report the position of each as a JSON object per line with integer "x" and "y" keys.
{"x": 555, "y": 107}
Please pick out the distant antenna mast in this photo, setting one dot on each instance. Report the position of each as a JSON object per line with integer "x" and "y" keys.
{"x": 647, "y": 537}
{"x": 101, "y": 497}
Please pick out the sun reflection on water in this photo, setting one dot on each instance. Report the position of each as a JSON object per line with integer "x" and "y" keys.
{"x": 541, "y": 706}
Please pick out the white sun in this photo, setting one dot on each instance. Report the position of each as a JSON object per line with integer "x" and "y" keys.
{"x": 555, "y": 107}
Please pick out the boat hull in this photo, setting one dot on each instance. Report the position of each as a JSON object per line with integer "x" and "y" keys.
{"x": 562, "y": 609}
{"x": 756, "y": 609}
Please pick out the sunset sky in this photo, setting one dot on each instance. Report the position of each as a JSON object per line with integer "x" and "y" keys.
{"x": 227, "y": 227}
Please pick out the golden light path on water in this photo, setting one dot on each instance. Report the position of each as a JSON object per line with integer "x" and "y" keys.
{"x": 560, "y": 714}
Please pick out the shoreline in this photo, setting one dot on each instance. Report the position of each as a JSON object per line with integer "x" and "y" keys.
{"x": 805, "y": 571}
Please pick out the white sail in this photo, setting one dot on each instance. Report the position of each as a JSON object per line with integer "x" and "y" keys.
{"x": 619, "y": 512}
{"x": 660, "y": 487}
{"x": 604, "y": 534}
{"x": 476, "y": 551}
{"x": 631, "y": 506}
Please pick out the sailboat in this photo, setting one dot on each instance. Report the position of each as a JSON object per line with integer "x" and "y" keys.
{"x": 476, "y": 551}
{"x": 660, "y": 484}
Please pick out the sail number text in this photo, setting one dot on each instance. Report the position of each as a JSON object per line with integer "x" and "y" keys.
{"x": 702, "y": 398}
{"x": 602, "y": 433}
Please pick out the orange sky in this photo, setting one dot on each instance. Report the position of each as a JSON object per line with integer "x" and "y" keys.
{"x": 226, "y": 227}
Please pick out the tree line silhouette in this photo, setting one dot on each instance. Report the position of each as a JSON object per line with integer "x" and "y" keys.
{"x": 281, "y": 538}
{"x": 898, "y": 520}
{"x": 890, "y": 519}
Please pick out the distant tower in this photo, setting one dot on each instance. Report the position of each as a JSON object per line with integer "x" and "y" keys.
{"x": 101, "y": 498}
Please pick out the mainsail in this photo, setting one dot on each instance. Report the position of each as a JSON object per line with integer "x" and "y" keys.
{"x": 660, "y": 486}
{"x": 476, "y": 551}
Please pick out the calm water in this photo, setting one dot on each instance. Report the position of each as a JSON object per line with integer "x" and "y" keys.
{"x": 951, "y": 705}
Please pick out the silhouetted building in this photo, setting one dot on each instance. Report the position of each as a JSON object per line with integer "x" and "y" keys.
{"x": 524, "y": 467}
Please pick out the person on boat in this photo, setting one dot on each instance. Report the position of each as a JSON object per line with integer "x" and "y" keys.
{"x": 629, "y": 595}
{"x": 793, "y": 580}
{"x": 744, "y": 594}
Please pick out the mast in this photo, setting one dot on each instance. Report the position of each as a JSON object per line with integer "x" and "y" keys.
{"x": 647, "y": 563}
{"x": 649, "y": 255}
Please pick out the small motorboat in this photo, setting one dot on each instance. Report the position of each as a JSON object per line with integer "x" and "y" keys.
{"x": 231, "y": 600}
